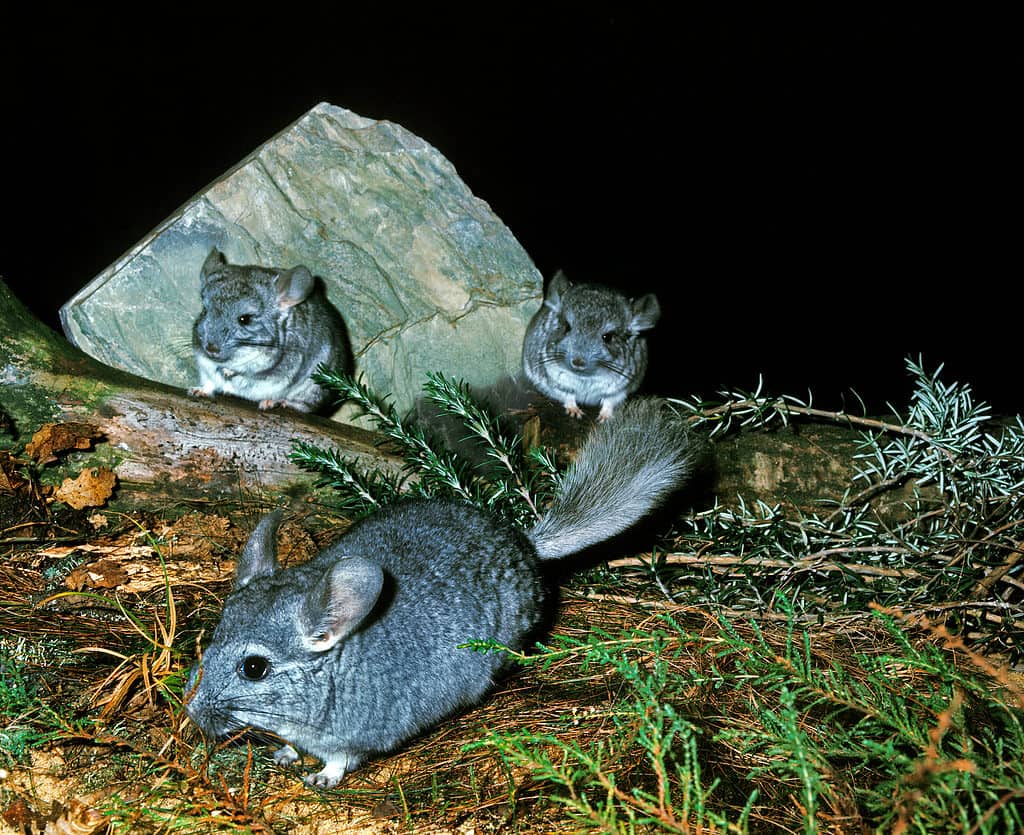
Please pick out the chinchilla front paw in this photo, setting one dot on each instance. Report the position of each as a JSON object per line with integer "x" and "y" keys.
{"x": 286, "y": 756}
{"x": 332, "y": 773}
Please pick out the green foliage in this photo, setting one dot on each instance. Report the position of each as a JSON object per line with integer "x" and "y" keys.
{"x": 26, "y": 721}
{"x": 645, "y": 736}
{"x": 909, "y": 737}
{"x": 510, "y": 484}
{"x": 949, "y": 544}
{"x": 7, "y": 429}
{"x": 359, "y": 490}
{"x": 902, "y": 739}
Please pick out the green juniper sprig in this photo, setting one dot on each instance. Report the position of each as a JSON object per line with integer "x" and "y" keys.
{"x": 360, "y": 490}
{"x": 642, "y": 734}
{"x": 515, "y": 487}
{"x": 520, "y": 476}
{"x": 437, "y": 473}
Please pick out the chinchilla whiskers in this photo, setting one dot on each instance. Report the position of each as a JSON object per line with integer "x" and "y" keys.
{"x": 290, "y": 350}
{"x": 256, "y": 710}
{"x": 552, "y": 357}
{"x": 179, "y": 347}
{"x": 242, "y": 714}
{"x": 266, "y": 342}
{"x": 614, "y": 367}
{"x": 234, "y": 732}
{"x": 219, "y": 722}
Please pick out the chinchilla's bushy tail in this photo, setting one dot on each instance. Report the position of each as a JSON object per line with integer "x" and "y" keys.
{"x": 626, "y": 468}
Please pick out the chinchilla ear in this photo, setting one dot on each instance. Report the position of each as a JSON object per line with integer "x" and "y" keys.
{"x": 294, "y": 286}
{"x": 646, "y": 312}
{"x": 259, "y": 556}
{"x": 214, "y": 261}
{"x": 339, "y": 601}
{"x": 559, "y": 284}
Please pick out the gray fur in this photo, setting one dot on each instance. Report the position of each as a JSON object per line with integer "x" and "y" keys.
{"x": 624, "y": 470}
{"x": 361, "y": 644}
{"x": 263, "y": 332}
{"x": 585, "y": 346}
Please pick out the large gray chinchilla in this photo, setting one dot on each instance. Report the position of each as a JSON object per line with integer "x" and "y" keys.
{"x": 359, "y": 649}
{"x": 263, "y": 332}
{"x": 586, "y": 346}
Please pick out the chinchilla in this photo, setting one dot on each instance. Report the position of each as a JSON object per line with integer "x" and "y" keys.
{"x": 262, "y": 333}
{"x": 585, "y": 346}
{"x": 359, "y": 649}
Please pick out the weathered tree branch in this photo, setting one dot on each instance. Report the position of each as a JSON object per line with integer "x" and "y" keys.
{"x": 159, "y": 441}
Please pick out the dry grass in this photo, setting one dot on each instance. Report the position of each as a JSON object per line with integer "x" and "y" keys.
{"x": 109, "y": 653}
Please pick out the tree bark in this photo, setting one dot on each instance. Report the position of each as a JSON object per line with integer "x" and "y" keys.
{"x": 159, "y": 440}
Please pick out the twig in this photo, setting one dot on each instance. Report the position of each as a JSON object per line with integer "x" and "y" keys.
{"x": 984, "y": 586}
{"x": 812, "y": 562}
{"x": 781, "y": 406}
{"x": 971, "y": 607}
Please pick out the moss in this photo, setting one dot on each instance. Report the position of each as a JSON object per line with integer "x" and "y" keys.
{"x": 42, "y": 373}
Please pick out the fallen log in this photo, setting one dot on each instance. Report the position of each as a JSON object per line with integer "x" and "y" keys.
{"x": 163, "y": 443}
{"x": 159, "y": 441}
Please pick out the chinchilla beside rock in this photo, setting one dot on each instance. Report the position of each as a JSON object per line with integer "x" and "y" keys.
{"x": 585, "y": 346}
{"x": 263, "y": 332}
{"x": 356, "y": 651}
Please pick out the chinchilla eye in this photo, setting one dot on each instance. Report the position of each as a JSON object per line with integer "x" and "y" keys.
{"x": 245, "y": 319}
{"x": 609, "y": 337}
{"x": 254, "y": 667}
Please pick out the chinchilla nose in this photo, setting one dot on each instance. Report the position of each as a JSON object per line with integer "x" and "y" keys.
{"x": 212, "y": 348}
{"x": 578, "y": 362}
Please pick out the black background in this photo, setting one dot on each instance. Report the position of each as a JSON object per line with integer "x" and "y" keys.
{"x": 813, "y": 196}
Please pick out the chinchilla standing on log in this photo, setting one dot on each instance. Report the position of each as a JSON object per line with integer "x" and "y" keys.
{"x": 586, "y": 345}
{"x": 263, "y": 332}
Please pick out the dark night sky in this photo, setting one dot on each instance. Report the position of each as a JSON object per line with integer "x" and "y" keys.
{"x": 812, "y": 198}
